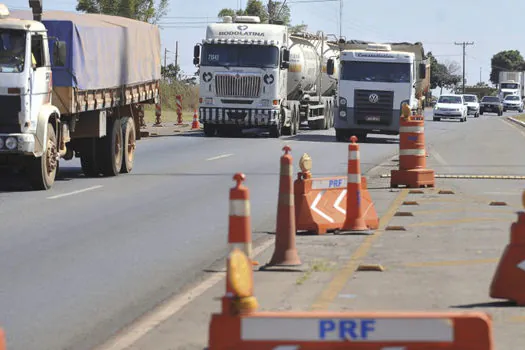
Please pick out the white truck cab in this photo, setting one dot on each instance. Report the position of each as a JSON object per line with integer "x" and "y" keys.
{"x": 25, "y": 94}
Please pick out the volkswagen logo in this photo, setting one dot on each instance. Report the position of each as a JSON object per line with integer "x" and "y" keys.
{"x": 373, "y": 98}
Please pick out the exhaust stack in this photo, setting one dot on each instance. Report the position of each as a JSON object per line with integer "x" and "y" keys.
{"x": 36, "y": 6}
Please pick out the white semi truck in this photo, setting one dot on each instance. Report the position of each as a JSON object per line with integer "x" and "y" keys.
{"x": 62, "y": 95}
{"x": 257, "y": 76}
{"x": 374, "y": 82}
{"x": 511, "y": 83}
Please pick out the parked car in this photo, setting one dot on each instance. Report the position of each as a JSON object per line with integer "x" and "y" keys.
{"x": 472, "y": 105}
{"x": 513, "y": 102}
{"x": 450, "y": 107}
{"x": 491, "y": 104}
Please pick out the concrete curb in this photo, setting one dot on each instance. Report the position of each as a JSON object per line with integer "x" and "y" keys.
{"x": 514, "y": 120}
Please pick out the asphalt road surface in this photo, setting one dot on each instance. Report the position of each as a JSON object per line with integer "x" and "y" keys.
{"x": 87, "y": 258}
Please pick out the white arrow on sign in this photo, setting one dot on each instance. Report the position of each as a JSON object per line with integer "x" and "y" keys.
{"x": 319, "y": 212}
{"x": 338, "y": 201}
{"x": 521, "y": 265}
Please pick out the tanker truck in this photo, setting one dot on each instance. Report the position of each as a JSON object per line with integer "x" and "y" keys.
{"x": 72, "y": 85}
{"x": 375, "y": 81}
{"x": 259, "y": 77}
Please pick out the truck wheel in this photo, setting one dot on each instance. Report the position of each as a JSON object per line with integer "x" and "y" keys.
{"x": 276, "y": 130}
{"x": 340, "y": 135}
{"x": 88, "y": 158}
{"x": 297, "y": 122}
{"x": 43, "y": 169}
{"x": 110, "y": 152}
{"x": 129, "y": 145}
{"x": 209, "y": 130}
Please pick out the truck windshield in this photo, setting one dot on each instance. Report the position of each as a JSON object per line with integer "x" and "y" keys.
{"x": 376, "y": 71}
{"x": 509, "y": 86}
{"x": 12, "y": 50}
{"x": 449, "y": 99}
{"x": 240, "y": 55}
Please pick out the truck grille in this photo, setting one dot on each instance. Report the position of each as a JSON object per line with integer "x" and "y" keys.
{"x": 230, "y": 85}
{"x": 369, "y": 112}
{"x": 11, "y": 106}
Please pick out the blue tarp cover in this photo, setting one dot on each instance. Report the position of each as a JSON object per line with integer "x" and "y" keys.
{"x": 102, "y": 51}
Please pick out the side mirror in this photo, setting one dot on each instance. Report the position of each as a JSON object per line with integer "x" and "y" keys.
{"x": 330, "y": 67}
{"x": 285, "y": 61}
{"x": 59, "y": 54}
{"x": 422, "y": 71}
{"x": 196, "y": 54}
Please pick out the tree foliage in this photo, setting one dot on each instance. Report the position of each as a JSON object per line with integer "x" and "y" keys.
{"x": 274, "y": 10}
{"x": 505, "y": 61}
{"x": 143, "y": 10}
{"x": 443, "y": 75}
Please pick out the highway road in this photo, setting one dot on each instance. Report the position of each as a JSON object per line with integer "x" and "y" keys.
{"x": 85, "y": 259}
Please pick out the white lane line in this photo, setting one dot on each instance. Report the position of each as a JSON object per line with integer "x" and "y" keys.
{"x": 75, "y": 192}
{"x": 142, "y": 327}
{"x": 221, "y": 156}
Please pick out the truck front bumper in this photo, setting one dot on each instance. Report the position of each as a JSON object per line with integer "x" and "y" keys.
{"x": 383, "y": 123}
{"x": 239, "y": 116}
{"x": 18, "y": 144}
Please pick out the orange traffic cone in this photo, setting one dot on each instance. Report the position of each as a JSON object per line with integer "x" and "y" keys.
{"x": 195, "y": 124}
{"x": 355, "y": 221}
{"x": 239, "y": 225}
{"x": 2, "y": 340}
{"x": 285, "y": 253}
{"x": 509, "y": 280}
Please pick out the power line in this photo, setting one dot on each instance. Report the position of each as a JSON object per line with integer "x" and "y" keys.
{"x": 464, "y": 44}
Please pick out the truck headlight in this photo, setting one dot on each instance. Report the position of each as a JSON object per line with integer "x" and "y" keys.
{"x": 208, "y": 100}
{"x": 342, "y": 113}
{"x": 10, "y": 143}
{"x": 342, "y": 101}
{"x": 1, "y": 143}
{"x": 265, "y": 103}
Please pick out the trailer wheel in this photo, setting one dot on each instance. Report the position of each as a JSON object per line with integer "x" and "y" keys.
{"x": 110, "y": 152}
{"x": 129, "y": 145}
{"x": 88, "y": 158}
{"x": 43, "y": 169}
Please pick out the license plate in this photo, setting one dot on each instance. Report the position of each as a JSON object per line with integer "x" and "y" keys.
{"x": 372, "y": 118}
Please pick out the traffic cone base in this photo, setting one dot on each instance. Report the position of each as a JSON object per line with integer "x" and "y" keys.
{"x": 414, "y": 178}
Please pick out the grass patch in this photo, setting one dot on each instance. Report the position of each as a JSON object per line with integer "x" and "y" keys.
{"x": 520, "y": 117}
{"x": 315, "y": 266}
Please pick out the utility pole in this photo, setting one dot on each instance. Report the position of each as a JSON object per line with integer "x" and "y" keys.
{"x": 165, "y": 59}
{"x": 176, "y": 56}
{"x": 464, "y": 44}
{"x": 340, "y": 19}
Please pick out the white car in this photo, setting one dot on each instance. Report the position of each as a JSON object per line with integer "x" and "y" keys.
{"x": 450, "y": 107}
{"x": 472, "y": 105}
{"x": 513, "y": 102}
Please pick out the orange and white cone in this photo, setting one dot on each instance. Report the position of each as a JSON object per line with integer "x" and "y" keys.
{"x": 354, "y": 221}
{"x": 285, "y": 253}
{"x": 239, "y": 224}
{"x": 195, "y": 124}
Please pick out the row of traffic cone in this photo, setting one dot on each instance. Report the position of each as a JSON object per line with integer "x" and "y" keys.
{"x": 285, "y": 253}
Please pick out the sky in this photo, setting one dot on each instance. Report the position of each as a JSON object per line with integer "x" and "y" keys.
{"x": 438, "y": 25}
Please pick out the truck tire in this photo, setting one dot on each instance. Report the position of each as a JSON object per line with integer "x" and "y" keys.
{"x": 43, "y": 170}
{"x": 129, "y": 144}
{"x": 88, "y": 158}
{"x": 276, "y": 130}
{"x": 209, "y": 130}
{"x": 110, "y": 151}
{"x": 296, "y": 122}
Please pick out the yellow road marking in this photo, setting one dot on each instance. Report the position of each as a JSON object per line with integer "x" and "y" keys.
{"x": 451, "y": 263}
{"x": 455, "y": 221}
{"x": 340, "y": 280}
{"x": 517, "y": 319}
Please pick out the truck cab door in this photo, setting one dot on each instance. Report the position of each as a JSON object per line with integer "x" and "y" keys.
{"x": 41, "y": 76}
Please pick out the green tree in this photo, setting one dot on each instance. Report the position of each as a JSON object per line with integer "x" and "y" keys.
{"x": 440, "y": 75}
{"x": 509, "y": 60}
{"x": 142, "y": 10}
{"x": 171, "y": 72}
{"x": 274, "y": 10}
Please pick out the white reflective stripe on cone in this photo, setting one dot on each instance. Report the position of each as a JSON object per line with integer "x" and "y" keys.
{"x": 415, "y": 129}
{"x": 353, "y": 155}
{"x": 239, "y": 207}
{"x": 354, "y": 178}
{"x": 412, "y": 152}
{"x": 246, "y": 248}
{"x": 287, "y": 169}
